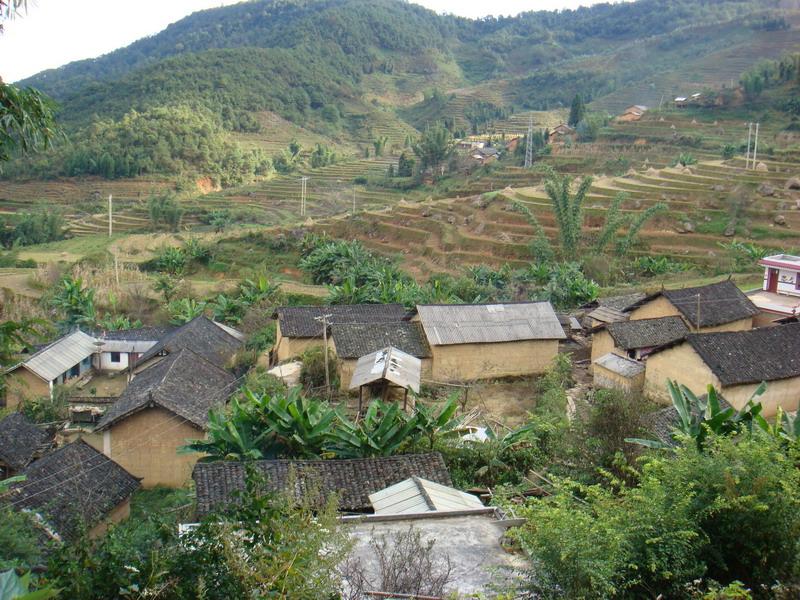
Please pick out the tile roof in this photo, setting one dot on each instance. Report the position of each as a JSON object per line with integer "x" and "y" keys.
{"x": 299, "y": 321}
{"x": 622, "y": 302}
{"x": 352, "y": 479}
{"x": 446, "y": 324}
{"x": 60, "y": 356}
{"x": 720, "y": 303}
{"x": 183, "y": 383}
{"x": 20, "y": 440}
{"x": 739, "y": 357}
{"x": 139, "y": 334}
{"x": 356, "y": 340}
{"x": 202, "y": 336}
{"x": 605, "y": 314}
{"x": 73, "y": 486}
{"x": 647, "y": 333}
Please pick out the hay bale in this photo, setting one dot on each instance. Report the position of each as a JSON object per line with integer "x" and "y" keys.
{"x": 761, "y": 167}
{"x": 793, "y": 183}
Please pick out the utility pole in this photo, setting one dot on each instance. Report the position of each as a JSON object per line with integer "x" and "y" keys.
{"x": 354, "y": 200}
{"x": 749, "y": 137}
{"x": 755, "y": 147}
{"x": 697, "y": 326}
{"x": 110, "y": 216}
{"x": 660, "y": 102}
{"x": 303, "y": 181}
{"x": 324, "y": 320}
{"x": 529, "y": 144}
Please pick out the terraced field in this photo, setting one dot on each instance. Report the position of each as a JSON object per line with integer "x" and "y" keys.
{"x": 444, "y": 235}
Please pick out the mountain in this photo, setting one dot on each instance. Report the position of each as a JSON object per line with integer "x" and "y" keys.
{"x": 350, "y": 70}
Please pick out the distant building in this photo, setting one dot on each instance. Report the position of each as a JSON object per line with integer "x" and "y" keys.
{"x": 561, "y": 133}
{"x": 632, "y": 113}
{"x": 779, "y": 296}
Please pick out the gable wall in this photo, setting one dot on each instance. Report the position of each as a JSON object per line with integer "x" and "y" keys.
{"x": 146, "y": 445}
{"x": 784, "y": 393}
{"x": 121, "y": 512}
{"x": 602, "y": 344}
{"x": 24, "y": 385}
{"x": 657, "y": 307}
{"x": 679, "y": 363}
{"x": 466, "y": 362}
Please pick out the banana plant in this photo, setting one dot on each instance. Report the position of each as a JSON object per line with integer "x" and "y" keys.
{"x": 384, "y": 428}
{"x": 700, "y": 416}
{"x": 234, "y": 434}
{"x": 430, "y": 424}
{"x": 302, "y": 427}
{"x": 15, "y": 587}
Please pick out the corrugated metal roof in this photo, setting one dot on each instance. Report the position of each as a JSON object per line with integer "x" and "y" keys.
{"x": 619, "y": 365}
{"x": 60, "y": 356}
{"x": 606, "y": 314}
{"x": 486, "y": 323}
{"x": 138, "y": 346}
{"x": 416, "y": 495}
{"x": 390, "y": 364}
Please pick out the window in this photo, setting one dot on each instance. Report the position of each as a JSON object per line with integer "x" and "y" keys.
{"x": 115, "y": 357}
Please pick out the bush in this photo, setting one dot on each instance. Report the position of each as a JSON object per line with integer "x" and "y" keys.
{"x": 728, "y": 513}
{"x": 312, "y": 375}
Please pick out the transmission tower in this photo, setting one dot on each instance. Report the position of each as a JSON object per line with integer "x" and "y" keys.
{"x": 529, "y": 144}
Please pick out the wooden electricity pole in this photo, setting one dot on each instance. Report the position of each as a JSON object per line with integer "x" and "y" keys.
{"x": 755, "y": 147}
{"x": 324, "y": 320}
{"x": 749, "y": 139}
{"x": 110, "y": 216}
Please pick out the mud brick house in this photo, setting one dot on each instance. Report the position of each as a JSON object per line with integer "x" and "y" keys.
{"x": 351, "y": 341}
{"x": 217, "y": 483}
{"x": 216, "y": 343}
{"x": 485, "y": 341}
{"x": 21, "y": 442}
{"x": 75, "y": 487}
{"x": 636, "y": 339}
{"x": 163, "y": 407}
{"x": 300, "y": 327}
{"x": 735, "y": 363}
{"x": 715, "y": 307}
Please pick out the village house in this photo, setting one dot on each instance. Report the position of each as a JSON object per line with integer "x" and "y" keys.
{"x": 351, "y": 341}
{"x": 64, "y": 360}
{"x": 561, "y": 134}
{"x": 21, "y": 442}
{"x": 164, "y": 406}
{"x": 735, "y": 363}
{"x": 485, "y": 341}
{"x": 73, "y": 488}
{"x": 353, "y": 480}
{"x": 632, "y": 113}
{"x": 636, "y": 339}
{"x": 620, "y": 349}
{"x": 714, "y": 307}
{"x": 300, "y": 328}
{"x": 215, "y": 342}
{"x": 779, "y": 296}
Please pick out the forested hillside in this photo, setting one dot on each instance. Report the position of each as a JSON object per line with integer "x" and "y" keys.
{"x": 355, "y": 69}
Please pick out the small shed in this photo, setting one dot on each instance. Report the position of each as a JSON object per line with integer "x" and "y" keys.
{"x": 616, "y": 372}
{"x": 385, "y": 370}
{"x": 416, "y": 495}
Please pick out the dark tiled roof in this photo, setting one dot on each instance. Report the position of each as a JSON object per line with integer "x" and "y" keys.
{"x": 20, "y": 440}
{"x": 140, "y": 334}
{"x": 663, "y": 422}
{"x": 355, "y": 341}
{"x": 620, "y": 303}
{"x": 720, "y": 303}
{"x": 647, "y": 333}
{"x": 299, "y": 321}
{"x": 352, "y": 479}
{"x": 739, "y": 357}
{"x": 183, "y": 383}
{"x": 73, "y": 486}
{"x": 201, "y": 336}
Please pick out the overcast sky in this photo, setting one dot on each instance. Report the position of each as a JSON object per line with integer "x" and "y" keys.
{"x": 55, "y": 32}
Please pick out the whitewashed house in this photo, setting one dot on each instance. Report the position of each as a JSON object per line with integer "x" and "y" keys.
{"x": 779, "y": 296}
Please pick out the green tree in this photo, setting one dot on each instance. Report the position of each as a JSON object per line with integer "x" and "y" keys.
{"x": 434, "y": 147}
{"x": 577, "y": 111}
{"x": 184, "y": 310}
{"x": 405, "y": 165}
{"x": 379, "y": 144}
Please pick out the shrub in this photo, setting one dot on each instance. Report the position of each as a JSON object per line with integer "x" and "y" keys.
{"x": 312, "y": 375}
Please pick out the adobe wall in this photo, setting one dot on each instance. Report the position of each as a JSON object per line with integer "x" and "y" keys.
{"x": 467, "y": 362}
